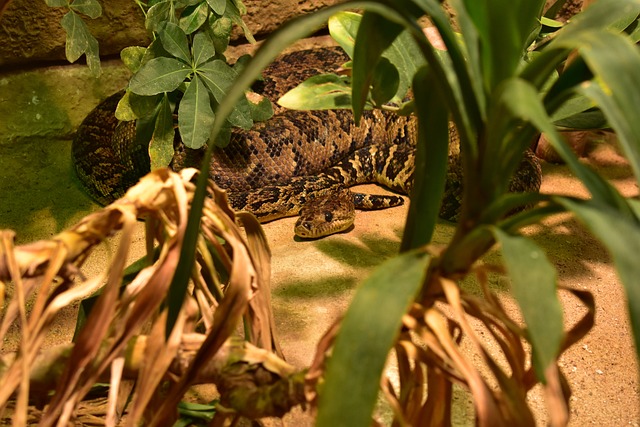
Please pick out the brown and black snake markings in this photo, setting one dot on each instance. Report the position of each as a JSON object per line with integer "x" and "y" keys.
{"x": 296, "y": 163}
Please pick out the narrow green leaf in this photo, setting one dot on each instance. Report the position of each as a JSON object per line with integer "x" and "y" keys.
{"x": 159, "y": 75}
{"x": 612, "y": 14}
{"x": 321, "y": 92}
{"x": 621, "y": 236}
{"x": 91, "y": 8}
{"x": 193, "y": 17}
{"x": 195, "y": 116}
{"x": 430, "y": 163}
{"x": 533, "y": 281}
{"x": 218, "y": 6}
{"x": 203, "y": 49}
{"x": 366, "y": 54}
{"x": 174, "y": 40}
{"x": 366, "y": 336}
{"x": 161, "y": 145}
{"x": 616, "y": 61}
{"x": 523, "y": 101}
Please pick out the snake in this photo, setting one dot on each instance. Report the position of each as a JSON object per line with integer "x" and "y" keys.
{"x": 296, "y": 163}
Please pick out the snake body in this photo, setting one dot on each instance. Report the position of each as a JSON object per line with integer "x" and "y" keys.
{"x": 297, "y": 160}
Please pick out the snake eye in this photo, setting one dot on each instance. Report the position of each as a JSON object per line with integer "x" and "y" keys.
{"x": 328, "y": 216}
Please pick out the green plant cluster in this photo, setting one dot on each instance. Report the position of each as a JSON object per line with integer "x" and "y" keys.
{"x": 80, "y": 41}
{"x": 182, "y": 71}
{"x": 502, "y": 80}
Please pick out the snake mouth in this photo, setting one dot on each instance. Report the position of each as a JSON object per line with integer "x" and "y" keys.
{"x": 310, "y": 230}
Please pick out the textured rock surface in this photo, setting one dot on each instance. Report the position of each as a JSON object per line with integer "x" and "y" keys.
{"x": 30, "y": 31}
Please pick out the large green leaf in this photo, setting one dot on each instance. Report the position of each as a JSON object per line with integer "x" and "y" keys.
{"x": 533, "y": 280}
{"x": 366, "y": 336}
{"x": 174, "y": 40}
{"x": 195, "y": 117}
{"x": 159, "y": 75}
{"x": 621, "y": 236}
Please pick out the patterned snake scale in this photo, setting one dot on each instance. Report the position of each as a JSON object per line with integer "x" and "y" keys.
{"x": 297, "y": 160}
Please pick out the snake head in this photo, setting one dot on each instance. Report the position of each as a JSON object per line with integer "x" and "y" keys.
{"x": 326, "y": 214}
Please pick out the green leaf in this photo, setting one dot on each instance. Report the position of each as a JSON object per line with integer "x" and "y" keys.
{"x": 158, "y": 14}
{"x": 523, "y": 101}
{"x": 385, "y": 82}
{"x": 132, "y": 57}
{"x": 80, "y": 41}
{"x": 193, "y": 17}
{"x": 124, "y": 112}
{"x": 174, "y": 40}
{"x": 143, "y": 106}
{"x": 621, "y": 236}
{"x": 321, "y": 92}
{"x": 203, "y": 49}
{"x": 366, "y": 336}
{"x": 77, "y": 36}
{"x": 430, "y": 162}
{"x": 232, "y": 12}
{"x": 534, "y": 287}
{"x": 218, "y": 6}
{"x": 343, "y": 27}
{"x": 366, "y": 54}
{"x": 261, "y": 110}
{"x": 91, "y": 8}
{"x": 219, "y": 77}
{"x": 616, "y": 61}
{"x": 161, "y": 145}
{"x": 221, "y": 29}
{"x": 603, "y": 14}
{"x": 195, "y": 116}
{"x": 159, "y": 75}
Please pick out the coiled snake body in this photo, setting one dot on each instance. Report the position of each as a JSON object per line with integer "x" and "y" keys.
{"x": 297, "y": 160}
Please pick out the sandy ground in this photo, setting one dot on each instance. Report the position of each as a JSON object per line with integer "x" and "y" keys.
{"x": 313, "y": 281}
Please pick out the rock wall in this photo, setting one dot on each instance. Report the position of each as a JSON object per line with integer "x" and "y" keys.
{"x": 30, "y": 31}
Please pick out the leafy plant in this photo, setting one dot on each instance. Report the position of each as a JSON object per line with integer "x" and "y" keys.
{"x": 80, "y": 41}
{"x": 499, "y": 97}
{"x": 183, "y": 69}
